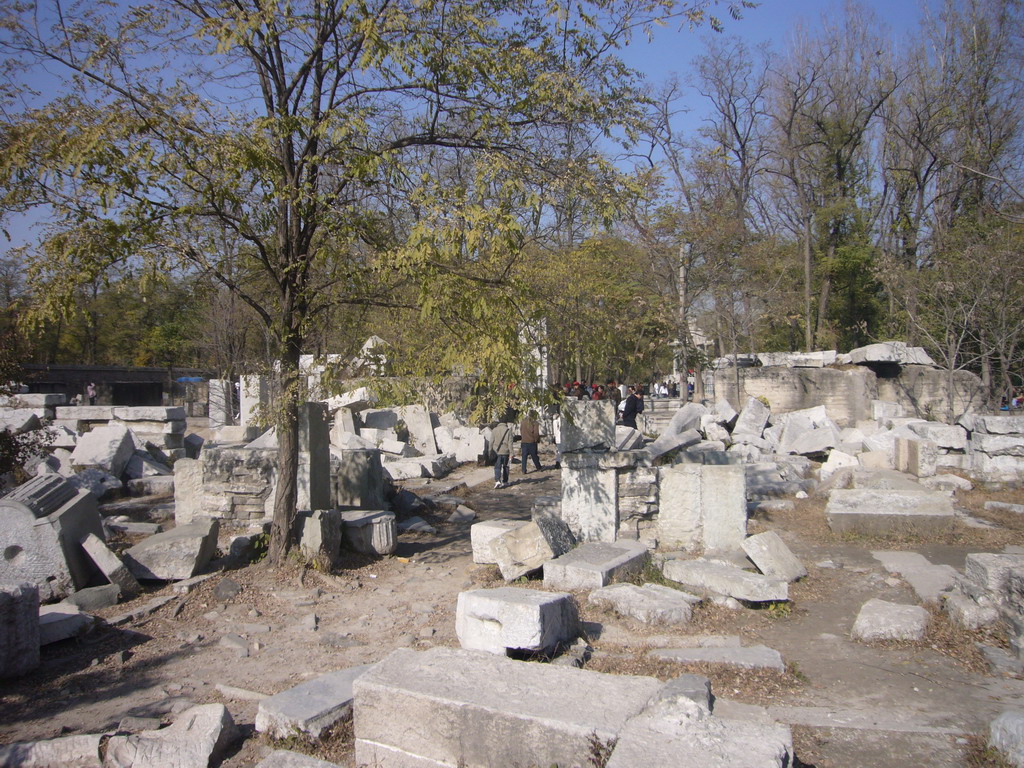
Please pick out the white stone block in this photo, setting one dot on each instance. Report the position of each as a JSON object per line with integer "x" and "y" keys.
{"x": 726, "y": 580}
{"x": 772, "y": 557}
{"x": 882, "y": 620}
{"x": 508, "y": 618}
{"x": 481, "y": 534}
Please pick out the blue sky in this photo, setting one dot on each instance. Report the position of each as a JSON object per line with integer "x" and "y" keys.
{"x": 672, "y": 49}
{"x": 773, "y": 21}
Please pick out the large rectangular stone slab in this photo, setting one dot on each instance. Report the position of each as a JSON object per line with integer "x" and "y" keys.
{"x": 680, "y": 522}
{"x": 513, "y": 619}
{"x": 650, "y": 604}
{"x": 752, "y": 418}
{"x": 874, "y": 511}
{"x": 750, "y": 657}
{"x": 724, "y": 507}
{"x": 108, "y": 448}
{"x": 595, "y": 564}
{"x": 465, "y": 708}
{"x": 726, "y": 580}
{"x": 311, "y": 707}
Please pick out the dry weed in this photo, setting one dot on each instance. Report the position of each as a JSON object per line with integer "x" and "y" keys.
{"x": 978, "y": 754}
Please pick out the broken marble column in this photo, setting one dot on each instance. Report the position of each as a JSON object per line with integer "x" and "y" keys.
{"x": 372, "y": 532}
{"x": 19, "y": 629}
{"x": 45, "y": 520}
{"x": 314, "y": 475}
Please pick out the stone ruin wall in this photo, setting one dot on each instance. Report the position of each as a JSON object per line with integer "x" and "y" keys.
{"x": 847, "y": 392}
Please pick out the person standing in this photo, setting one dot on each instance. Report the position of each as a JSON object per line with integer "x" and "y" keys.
{"x": 634, "y": 405}
{"x": 501, "y": 441}
{"x": 90, "y": 392}
{"x": 529, "y": 433}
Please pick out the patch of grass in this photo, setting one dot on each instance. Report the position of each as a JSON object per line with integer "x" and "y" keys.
{"x": 978, "y": 754}
{"x": 752, "y": 686}
{"x": 335, "y": 745}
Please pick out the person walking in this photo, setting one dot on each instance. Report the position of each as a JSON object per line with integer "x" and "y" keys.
{"x": 529, "y": 433}
{"x": 501, "y": 441}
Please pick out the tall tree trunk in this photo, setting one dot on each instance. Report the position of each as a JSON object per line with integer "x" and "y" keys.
{"x": 808, "y": 266}
{"x": 290, "y": 389}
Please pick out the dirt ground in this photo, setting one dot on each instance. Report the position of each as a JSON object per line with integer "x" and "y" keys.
{"x": 851, "y": 705}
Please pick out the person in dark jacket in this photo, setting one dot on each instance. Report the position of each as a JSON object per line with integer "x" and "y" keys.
{"x": 633, "y": 407}
{"x": 529, "y": 433}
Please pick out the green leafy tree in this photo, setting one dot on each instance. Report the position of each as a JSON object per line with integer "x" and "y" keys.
{"x": 298, "y": 130}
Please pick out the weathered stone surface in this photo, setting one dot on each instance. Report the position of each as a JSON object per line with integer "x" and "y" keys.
{"x": 595, "y": 564}
{"x": 887, "y": 511}
{"x": 44, "y": 519}
{"x": 673, "y": 735}
{"x": 927, "y": 580}
{"x": 283, "y": 758}
{"x": 109, "y": 448}
{"x": 111, "y": 566}
{"x": 92, "y": 599}
{"x": 650, "y": 604}
{"x": 990, "y": 573}
{"x": 882, "y": 620}
{"x": 627, "y": 438}
{"x": 65, "y": 752}
{"x": 670, "y": 441}
{"x": 915, "y": 457}
{"x": 319, "y": 533}
{"x": 421, "y": 428}
{"x": 967, "y": 613}
{"x": 546, "y": 513}
{"x": 772, "y": 557}
{"x": 142, "y": 465}
{"x": 370, "y": 531}
{"x": 157, "y": 485}
{"x": 311, "y": 707}
{"x": 1006, "y": 733}
{"x": 197, "y": 737}
{"x": 680, "y": 507}
{"x": 724, "y": 507}
{"x": 521, "y": 551}
{"x": 509, "y": 618}
{"x": 589, "y": 500}
{"x": 752, "y": 418}
{"x": 999, "y": 425}
{"x": 314, "y": 473}
{"x": 85, "y": 412}
{"x": 483, "y": 533}
{"x": 458, "y": 707}
{"x": 890, "y": 352}
{"x": 588, "y": 425}
{"x": 19, "y": 629}
{"x": 176, "y": 554}
{"x": 726, "y": 580}
{"x": 188, "y": 490}
{"x": 751, "y": 657}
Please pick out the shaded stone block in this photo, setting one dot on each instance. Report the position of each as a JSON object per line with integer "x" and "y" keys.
{"x": 520, "y": 551}
{"x": 19, "y": 629}
{"x": 772, "y": 557}
{"x": 111, "y": 566}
